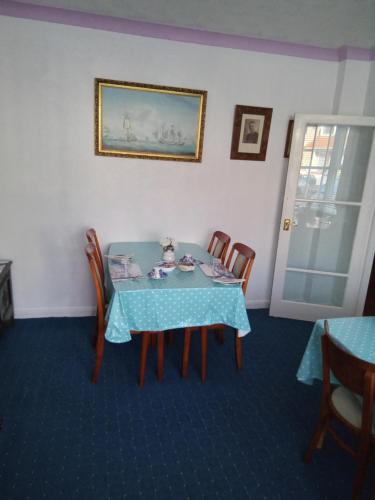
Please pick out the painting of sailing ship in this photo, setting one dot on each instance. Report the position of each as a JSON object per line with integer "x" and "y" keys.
{"x": 149, "y": 121}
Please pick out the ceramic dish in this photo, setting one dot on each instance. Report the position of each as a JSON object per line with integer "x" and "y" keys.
{"x": 186, "y": 267}
{"x": 162, "y": 276}
{"x": 187, "y": 259}
{"x": 167, "y": 267}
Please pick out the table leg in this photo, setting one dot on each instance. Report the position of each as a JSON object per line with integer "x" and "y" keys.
{"x": 186, "y": 352}
{"x": 203, "y": 353}
{"x": 160, "y": 355}
{"x": 237, "y": 349}
{"x": 144, "y": 349}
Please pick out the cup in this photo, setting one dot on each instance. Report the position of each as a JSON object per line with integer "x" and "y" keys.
{"x": 156, "y": 272}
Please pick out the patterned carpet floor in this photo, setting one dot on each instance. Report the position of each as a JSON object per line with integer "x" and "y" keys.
{"x": 241, "y": 435}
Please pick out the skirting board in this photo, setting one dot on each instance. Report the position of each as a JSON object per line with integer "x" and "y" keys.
{"x": 61, "y": 312}
{"x": 257, "y": 304}
{"x": 54, "y": 312}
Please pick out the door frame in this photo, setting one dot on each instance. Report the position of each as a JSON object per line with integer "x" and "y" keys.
{"x": 362, "y": 262}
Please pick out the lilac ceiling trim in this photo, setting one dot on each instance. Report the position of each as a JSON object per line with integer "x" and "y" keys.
{"x": 188, "y": 35}
{"x": 355, "y": 53}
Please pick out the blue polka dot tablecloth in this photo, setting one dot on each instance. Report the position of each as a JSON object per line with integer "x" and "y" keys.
{"x": 182, "y": 299}
{"x": 356, "y": 334}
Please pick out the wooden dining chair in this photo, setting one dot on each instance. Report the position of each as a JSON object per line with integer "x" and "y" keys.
{"x": 90, "y": 251}
{"x": 219, "y": 244}
{"x": 92, "y": 237}
{"x": 240, "y": 263}
{"x": 351, "y": 404}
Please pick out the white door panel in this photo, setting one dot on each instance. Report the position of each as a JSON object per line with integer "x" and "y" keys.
{"x": 329, "y": 201}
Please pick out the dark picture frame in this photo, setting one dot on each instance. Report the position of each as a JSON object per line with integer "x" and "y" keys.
{"x": 288, "y": 141}
{"x": 137, "y": 120}
{"x": 251, "y": 130}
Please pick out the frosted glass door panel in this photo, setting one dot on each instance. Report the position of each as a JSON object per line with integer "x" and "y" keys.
{"x": 322, "y": 237}
{"x": 328, "y": 211}
{"x": 314, "y": 288}
{"x": 334, "y": 162}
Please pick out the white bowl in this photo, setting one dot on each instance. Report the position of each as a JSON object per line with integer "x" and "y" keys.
{"x": 167, "y": 269}
{"x": 186, "y": 267}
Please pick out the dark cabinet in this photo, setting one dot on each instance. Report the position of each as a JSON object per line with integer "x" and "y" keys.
{"x": 6, "y": 300}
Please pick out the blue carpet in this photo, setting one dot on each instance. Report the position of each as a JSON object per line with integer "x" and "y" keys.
{"x": 238, "y": 436}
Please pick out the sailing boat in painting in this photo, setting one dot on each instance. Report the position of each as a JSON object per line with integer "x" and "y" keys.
{"x": 127, "y": 126}
{"x": 171, "y": 136}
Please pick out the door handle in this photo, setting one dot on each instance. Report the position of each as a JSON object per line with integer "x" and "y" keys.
{"x": 286, "y": 225}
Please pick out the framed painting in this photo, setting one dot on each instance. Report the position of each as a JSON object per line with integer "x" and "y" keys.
{"x": 251, "y": 129}
{"x": 136, "y": 120}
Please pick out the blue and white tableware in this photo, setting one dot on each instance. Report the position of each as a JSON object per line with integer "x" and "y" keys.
{"x": 187, "y": 259}
{"x": 157, "y": 274}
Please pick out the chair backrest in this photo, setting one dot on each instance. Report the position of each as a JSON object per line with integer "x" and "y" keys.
{"x": 219, "y": 244}
{"x": 92, "y": 237}
{"x": 240, "y": 262}
{"x": 90, "y": 251}
{"x": 355, "y": 374}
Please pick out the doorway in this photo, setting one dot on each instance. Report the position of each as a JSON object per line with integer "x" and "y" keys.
{"x": 328, "y": 209}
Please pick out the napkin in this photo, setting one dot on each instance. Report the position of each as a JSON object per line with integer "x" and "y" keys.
{"x": 228, "y": 281}
{"x": 208, "y": 271}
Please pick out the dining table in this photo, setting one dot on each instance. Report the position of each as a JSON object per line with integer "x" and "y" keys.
{"x": 355, "y": 334}
{"x": 182, "y": 299}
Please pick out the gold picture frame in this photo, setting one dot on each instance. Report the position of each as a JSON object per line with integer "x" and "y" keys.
{"x": 154, "y": 122}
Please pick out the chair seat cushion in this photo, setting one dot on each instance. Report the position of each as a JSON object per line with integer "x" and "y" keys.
{"x": 349, "y": 406}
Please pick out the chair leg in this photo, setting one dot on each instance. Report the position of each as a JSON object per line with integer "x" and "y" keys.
{"x": 153, "y": 339}
{"x": 144, "y": 348}
{"x": 318, "y": 437}
{"x": 160, "y": 356}
{"x": 237, "y": 350}
{"x": 99, "y": 357}
{"x": 95, "y": 339}
{"x": 203, "y": 353}
{"x": 186, "y": 352}
{"x": 361, "y": 469}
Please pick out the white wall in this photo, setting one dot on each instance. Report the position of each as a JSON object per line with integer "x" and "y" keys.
{"x": 54, "y": 187}
{"x": 352, "y": 86}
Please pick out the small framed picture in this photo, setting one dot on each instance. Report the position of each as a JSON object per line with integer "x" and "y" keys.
{"x": 251, "y": 129}
{"x": 288, "y": 141}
